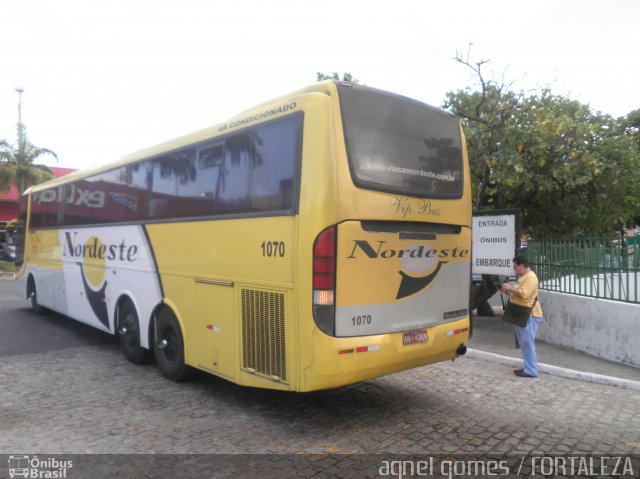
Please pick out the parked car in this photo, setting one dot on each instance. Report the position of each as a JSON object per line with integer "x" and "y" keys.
{"x": 7, "y": 252}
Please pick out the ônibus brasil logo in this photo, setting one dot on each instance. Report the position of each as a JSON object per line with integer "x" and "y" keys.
{"x": 430, "y": 261}
{"x": 34, "y": 467}
{"x": 93, "y": 256}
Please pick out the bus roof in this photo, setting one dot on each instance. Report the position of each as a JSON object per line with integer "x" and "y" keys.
{"x": 326, "y": 86}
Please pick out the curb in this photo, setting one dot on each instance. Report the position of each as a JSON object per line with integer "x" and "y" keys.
{"x": 557, "y": 371}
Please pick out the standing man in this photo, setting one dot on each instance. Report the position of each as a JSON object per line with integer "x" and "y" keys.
{"x": 525, "y": 293}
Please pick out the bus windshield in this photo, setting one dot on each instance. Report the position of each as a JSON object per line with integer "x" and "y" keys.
{"x": 12, "y": 233}
{"x": 399, "y": 145}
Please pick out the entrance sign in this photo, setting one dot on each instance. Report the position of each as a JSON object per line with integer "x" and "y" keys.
{"x": 494, "y": 242}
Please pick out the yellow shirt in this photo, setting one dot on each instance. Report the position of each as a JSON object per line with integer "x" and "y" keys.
{"x": 527, "y": 287}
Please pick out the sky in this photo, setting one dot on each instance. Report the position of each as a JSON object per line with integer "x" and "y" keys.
{"x": 102, "y": 79}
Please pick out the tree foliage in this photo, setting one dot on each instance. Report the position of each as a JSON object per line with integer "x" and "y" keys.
{"x": 569, "y": 170}
{"x": 631, "y": 124}
{"x": 17, "y": 162}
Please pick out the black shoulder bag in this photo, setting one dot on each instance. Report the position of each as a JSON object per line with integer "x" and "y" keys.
{"x": 516, "y": 314}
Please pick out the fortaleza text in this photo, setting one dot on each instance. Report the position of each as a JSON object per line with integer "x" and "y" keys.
{"x": 548, "y": 466}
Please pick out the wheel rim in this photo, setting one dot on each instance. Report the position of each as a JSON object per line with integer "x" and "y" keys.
{"x": 170, "y": 340}
{"x": 130, "y": 337}
{"x": 31, "y": 292}
{"x": 34, "y": 299}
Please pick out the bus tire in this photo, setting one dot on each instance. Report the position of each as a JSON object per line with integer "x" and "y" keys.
{"x": 33, "y": 296}
{"x": 129, "y": 334}
{"x": 168, "y": 346}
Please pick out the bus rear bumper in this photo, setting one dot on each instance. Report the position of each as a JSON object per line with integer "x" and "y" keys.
{"x": 342, "y": 361}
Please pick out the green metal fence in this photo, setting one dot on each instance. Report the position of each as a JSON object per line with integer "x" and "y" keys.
{"x": 599, "y": 267}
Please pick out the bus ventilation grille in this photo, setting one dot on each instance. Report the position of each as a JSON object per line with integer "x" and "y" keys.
{"x": 263, "y": 335}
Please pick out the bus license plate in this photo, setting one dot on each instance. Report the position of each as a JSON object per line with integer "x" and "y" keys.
{"x": 415, "y": 336}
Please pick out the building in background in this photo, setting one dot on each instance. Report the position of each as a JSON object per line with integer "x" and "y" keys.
{"x": 9, "y": 200}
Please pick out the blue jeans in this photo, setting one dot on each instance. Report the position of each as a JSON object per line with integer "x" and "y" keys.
{"x": 527, "y": 339}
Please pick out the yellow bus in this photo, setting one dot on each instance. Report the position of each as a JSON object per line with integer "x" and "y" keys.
{"x": 314, "y": 241}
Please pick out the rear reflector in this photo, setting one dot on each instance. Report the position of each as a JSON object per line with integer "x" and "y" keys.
{"x": 456, "y": 332}
{"x": 360, "y": 349}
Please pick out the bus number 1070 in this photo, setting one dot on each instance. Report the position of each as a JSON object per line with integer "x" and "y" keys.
{"x": 361, "y": 320}
{"x": 272, "y": 249}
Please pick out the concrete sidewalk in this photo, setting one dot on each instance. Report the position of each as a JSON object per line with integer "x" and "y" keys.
{"x": 494, "y": 340}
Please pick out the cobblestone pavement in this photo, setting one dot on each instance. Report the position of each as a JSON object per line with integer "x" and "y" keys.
{"x": 89, "y": 399}
{"x": 69, "y": 391}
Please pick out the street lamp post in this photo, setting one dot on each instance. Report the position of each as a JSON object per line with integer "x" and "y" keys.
{"x": 20, "y": 91}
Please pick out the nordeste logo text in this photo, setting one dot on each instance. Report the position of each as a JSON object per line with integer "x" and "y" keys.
{"x": 410, "y": 285}
{"x": 94, "y": 248}
{"x": 415, "y": 252}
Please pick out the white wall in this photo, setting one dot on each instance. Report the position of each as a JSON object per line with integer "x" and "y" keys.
{"x": 607, "y": 329}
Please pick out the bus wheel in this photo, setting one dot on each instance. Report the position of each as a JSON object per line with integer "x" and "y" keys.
{"x": 129, "y": 334}
{"x": 169, "y": 347}
{"x": 31, "y": 294}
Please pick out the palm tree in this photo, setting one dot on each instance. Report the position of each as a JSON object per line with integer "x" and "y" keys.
{"x": 17, "y": 162}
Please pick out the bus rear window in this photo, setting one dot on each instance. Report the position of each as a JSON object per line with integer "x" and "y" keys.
{"x": 401, "y": 146}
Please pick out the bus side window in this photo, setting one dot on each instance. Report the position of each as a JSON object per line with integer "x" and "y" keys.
{"x": 232, "y": 182}
{"x": 274, "y": 166}
{"x": 162, "y": 178}
{"x": 197, "y": 181}
{"x": 45, "y": 206}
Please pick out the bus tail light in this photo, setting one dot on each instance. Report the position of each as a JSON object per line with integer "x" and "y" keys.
{"x": 324, "y": 280}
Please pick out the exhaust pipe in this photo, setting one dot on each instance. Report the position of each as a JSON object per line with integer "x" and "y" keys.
{"x": 462, "y": 350}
